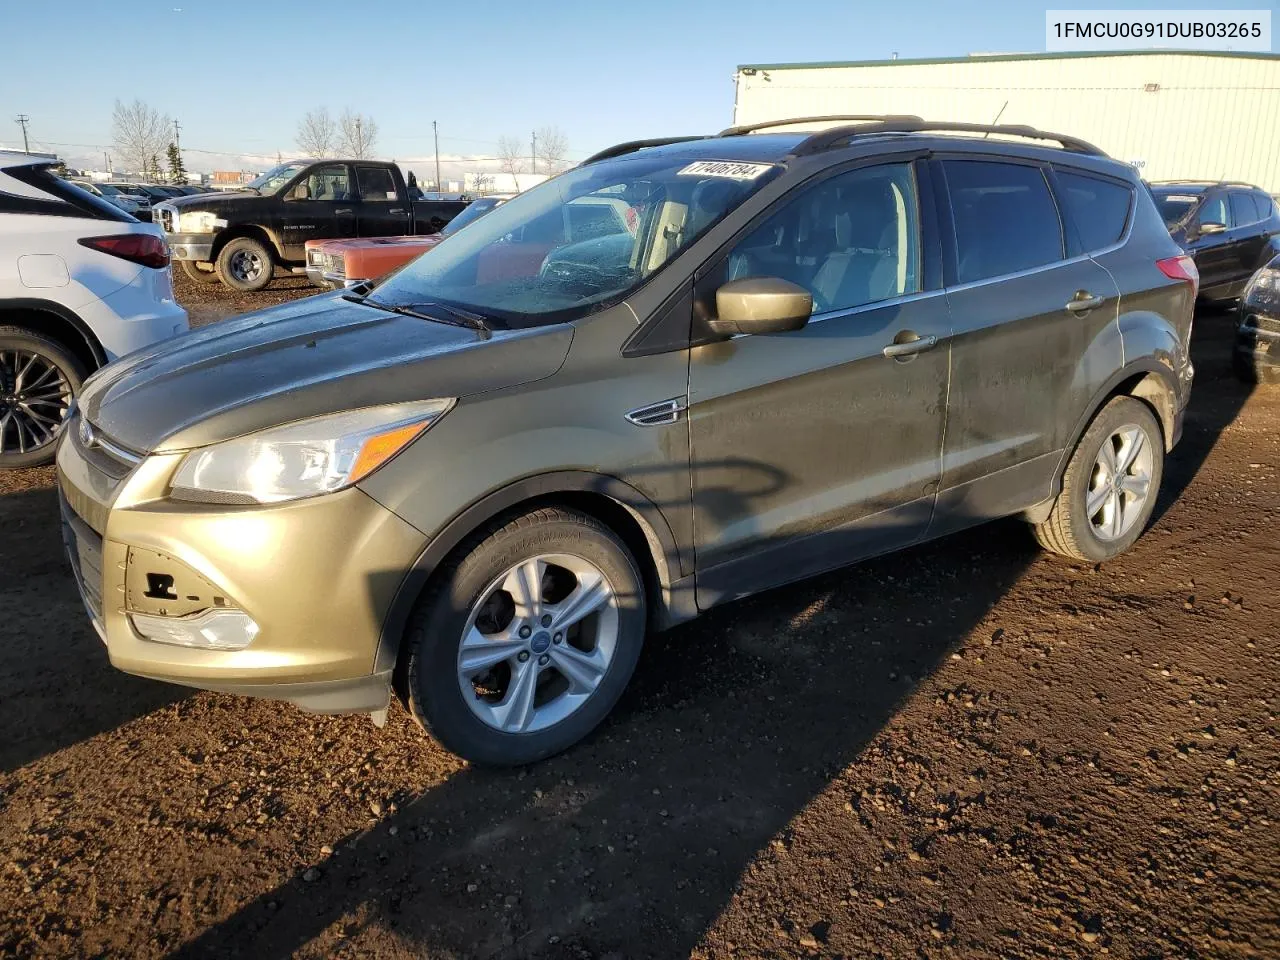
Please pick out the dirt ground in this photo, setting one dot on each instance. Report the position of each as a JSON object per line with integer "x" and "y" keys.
{"x": 968, "y": 749}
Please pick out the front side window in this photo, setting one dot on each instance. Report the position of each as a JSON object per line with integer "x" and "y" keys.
{"x": 578, "y": 242}
{"x": 850, "y": 240}
{"x": 275, "y": 178}
{"x": 376, "y": 184}
{"x": 1005, "y": 218}
{"x": 1243, "y": 210}
{"x": 328, "y": 183}
{"x": 1215, "y": 210}
{"x": 1099, "y": 209}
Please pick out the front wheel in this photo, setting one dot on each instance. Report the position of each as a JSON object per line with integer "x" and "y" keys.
{"x": 193, "y": 271}
{"x": 525, "y": 642}
{"x": 1110, "y": 487}
{"x": 39, "y": 377}
{"x": 245, "y": 264}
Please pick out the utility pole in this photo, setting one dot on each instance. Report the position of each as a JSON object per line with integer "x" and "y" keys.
{"x": 436, "y": 134}
{"x": 533, "y": 152}
{"x": 22, "y": 120}
{"x": 177, "y": 139}
{"x": 359, "y": 141}
{"x": 106, "y": 161}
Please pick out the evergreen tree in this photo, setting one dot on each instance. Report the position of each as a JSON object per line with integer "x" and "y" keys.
{"x": 177, "y": 172}
{"x": 153, "y": 171}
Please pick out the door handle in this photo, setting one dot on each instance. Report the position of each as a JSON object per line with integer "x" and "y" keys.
{"x": 1083, "y": 302}
{"x": 908, "y": 344}
{"x": 342, "y": 210}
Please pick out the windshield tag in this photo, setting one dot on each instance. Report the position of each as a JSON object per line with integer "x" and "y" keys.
{"x": 724, "y": 168}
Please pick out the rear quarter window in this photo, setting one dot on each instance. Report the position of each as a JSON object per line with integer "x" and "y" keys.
{"x": 1005, "y": 218}
{"x": 1098, "y": 210}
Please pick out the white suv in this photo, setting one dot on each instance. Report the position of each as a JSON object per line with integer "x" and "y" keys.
{"x": 81, "y": 283}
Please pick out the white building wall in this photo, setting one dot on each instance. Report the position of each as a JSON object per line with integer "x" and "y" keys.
{"x": 1208, "y": 116}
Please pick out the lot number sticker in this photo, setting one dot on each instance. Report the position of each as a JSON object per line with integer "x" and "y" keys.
{"x": 724, "y": 168}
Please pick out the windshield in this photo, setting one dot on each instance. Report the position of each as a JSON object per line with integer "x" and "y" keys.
{"x": 474, "y": 211}
{"x": 577, "y": 243}
{"x": 1174, "y": 207}
{"x": 276, "y": 177}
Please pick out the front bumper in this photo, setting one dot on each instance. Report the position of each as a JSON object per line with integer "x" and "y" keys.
{"x": 317, "y": 576}
{"x": 190, "y": 246}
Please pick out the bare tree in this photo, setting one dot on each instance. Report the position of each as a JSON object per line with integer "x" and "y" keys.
{"x": 359, "y": 134}
{"x": 511, "y": 157}
{"x": 139, "y": 133}
{"x": 317, "y": 133}
{"x": 553, "y": 149}
{"x": 482, "y": 183}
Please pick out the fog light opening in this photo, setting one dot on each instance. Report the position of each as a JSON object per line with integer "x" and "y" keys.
{"x": 217, "y": 629}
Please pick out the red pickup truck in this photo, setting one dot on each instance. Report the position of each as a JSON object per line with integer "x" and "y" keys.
{"x": 335, "y": 264}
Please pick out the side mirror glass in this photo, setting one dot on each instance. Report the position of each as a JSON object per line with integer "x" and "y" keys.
{"x": 760, "y": 305}
{"x": 1211, "y": 227}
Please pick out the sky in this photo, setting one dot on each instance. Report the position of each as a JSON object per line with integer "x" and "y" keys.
{"x": 239, "y": 76}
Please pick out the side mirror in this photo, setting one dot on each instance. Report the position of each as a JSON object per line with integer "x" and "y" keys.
{"x": 760, "y": 305}
{"x": 1210, "y": 227}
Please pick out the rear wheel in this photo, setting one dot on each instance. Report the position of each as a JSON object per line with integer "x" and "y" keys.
{"x": 193, "y": 271}
{"x": 39, "y": 377}
{"x": 245, "y": 264}
{"x": 1109, "y": 489}
{"x": 526, "y": 641}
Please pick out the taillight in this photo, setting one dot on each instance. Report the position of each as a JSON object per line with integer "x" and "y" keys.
{"x": 1183, "y": 268}
{"x": 143, "y": 248}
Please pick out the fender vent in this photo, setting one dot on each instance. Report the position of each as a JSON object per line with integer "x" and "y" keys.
{"x": 656, "y": 414}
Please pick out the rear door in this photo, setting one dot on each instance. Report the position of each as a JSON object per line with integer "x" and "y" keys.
{"x": 319, "y": 206}
{"x": 381, "y": 210}
{"x": 1025, "y": 314}
{"x": 1250, "y": 231}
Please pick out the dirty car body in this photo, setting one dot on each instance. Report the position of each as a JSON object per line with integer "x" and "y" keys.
{"x": 666, "y": 379}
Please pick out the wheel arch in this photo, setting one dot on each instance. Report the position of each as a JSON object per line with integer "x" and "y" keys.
{"x": 57, "y": 322}
{"x": 255, "y": 231}
{"x": 1146, "y": 380}
{"x": 619, "y": 506}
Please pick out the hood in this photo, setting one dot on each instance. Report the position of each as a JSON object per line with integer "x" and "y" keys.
{"x": 305, "y": 359}
{"x": 204, "y": 201}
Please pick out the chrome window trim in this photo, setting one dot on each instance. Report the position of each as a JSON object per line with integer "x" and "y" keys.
{"x": 875, "y": 305}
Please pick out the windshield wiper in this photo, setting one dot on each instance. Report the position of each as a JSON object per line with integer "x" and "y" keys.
{"x": 453, "y": 316}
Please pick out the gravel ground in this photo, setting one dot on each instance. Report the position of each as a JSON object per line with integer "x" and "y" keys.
{"x": 966, "y": 749}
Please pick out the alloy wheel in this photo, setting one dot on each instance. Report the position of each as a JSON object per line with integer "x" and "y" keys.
{"x": 538, "y": 642}
{"x": 34, "y": 398}
{"x": 1120, "y": 483}
{"x": 246, "y": 266}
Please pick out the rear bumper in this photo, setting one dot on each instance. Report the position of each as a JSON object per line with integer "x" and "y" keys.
{"x": 190, "y": 246}
{"x": 136, "y": 316}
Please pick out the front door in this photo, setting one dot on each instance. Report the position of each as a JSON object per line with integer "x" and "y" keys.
{"x": 815, "y": 448}
{"x": 1215, "y": 253}
{"x": 380, "y": 211}
{"x": 318, "y": 207}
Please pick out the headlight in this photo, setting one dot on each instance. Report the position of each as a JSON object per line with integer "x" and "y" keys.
{"x": 306, "y": 458}
{"x": 197, "y": 221}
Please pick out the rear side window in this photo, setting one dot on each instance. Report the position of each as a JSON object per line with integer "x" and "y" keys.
{"x": 1264, "y": 205}
{"x": 375, "y": 183}
{"x": 1243, "y": 209}
{"x": 1005, "y": 218}
{"x": 1098, "y": 209}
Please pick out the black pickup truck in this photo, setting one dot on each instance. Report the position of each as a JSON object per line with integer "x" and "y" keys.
{"x": 243, "y": 238}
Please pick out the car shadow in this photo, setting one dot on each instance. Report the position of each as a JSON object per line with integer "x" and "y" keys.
{"x": 56, "y": 684}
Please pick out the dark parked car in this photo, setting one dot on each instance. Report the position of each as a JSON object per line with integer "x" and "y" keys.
{"x": 678, "y": 374}
{"x": 1230, "y": 229}
{"x": 1257, "y": 356}
{"x": 242, "y": 238}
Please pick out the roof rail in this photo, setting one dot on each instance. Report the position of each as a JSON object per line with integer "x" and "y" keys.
{"x": 631, "y": 146}
{"x": 827, "y": 139}
{"x": 766, "y": 124}
{"x": 1206, "y": 183}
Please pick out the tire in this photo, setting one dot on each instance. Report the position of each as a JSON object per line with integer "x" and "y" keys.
{"x": 433, "y": 677}
{"x": 23, "y": 425}
{"x": 193, "y": 272}
{"x": 245, "y": 264}
{"x": 1070, "y": 530}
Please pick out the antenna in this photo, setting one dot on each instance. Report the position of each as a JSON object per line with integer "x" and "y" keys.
{"x": 999, "y": 114}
